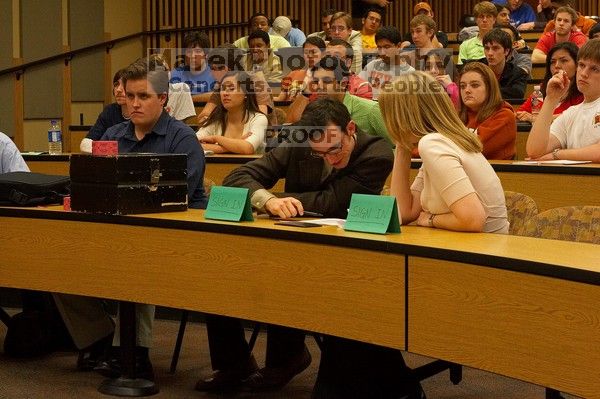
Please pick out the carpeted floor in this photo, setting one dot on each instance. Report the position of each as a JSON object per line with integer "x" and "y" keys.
{"x": 54, "y": 376}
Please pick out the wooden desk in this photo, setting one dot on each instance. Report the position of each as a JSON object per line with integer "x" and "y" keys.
{"x": 523, "y": 307}
{"x": 550, "y": 186}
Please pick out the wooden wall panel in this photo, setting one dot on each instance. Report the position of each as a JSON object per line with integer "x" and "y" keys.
{"x": 202, "y": 14}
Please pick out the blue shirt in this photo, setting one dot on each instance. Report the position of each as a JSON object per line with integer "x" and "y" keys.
{"x": 10, "y": 156}
{"x": 522, "y": 15}
{"x": 199, "y": 83}
{"x": 110, "y": 116}
{"x": 168, "y": 136}
{"x": 295, "y": 36}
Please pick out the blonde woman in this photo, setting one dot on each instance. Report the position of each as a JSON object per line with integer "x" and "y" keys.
{"x": 456, "y": 188}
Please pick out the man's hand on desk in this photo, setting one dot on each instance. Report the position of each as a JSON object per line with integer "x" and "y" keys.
{"x": 284, "y": 207}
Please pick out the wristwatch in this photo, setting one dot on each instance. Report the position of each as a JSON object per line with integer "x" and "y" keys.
{"x": 555, "y": 153}
{"x": 431, "y": 216}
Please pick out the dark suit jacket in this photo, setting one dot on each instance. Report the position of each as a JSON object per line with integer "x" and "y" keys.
{"x": 369, "y": 166}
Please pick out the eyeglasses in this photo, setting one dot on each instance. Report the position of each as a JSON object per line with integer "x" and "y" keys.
{"x": 338, "y": 28}
{"x": 333, "y": 151}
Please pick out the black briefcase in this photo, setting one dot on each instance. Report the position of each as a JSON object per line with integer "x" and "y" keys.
{"x": 129, "y": 183}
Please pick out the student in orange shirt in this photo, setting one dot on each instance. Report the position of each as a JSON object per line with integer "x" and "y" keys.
{"x": 484, "y": 111}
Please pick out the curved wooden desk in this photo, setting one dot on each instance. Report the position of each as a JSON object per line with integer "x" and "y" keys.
{"x": 522, "y": 307}
{"x": 550, "y": 186}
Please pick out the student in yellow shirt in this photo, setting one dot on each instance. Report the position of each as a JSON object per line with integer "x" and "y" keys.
{"x": 370, "y": 23}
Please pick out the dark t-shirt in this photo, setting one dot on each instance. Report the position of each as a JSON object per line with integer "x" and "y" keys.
{"x": 111, "y": 115}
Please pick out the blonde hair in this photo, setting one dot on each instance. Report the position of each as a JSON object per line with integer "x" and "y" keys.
{"x": 415, "y": 104}
{"x": 493, "y": 100}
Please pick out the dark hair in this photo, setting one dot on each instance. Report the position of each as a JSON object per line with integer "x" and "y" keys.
{"x": 258, "y": 14}
{"x": 334, "y": 64}
{"x": 246, "y": 84}
{"x": 225, "y": 54}
{"x": 595, "y": 29}
{"x": 379, "y": 11}
{"x": 157, "y": 76}
{"x": 340, "y": 42}
{"x": 260, "y": 34}
{"x": 515, "y": 31}
{"x": 323, "y": 112}
{"x": 196, "y": 39}
{"x": 315, "y": 41}
{"x": 499, "y": 36}
{"x": 501, "y": 7}
{"x": 118, "y": 75}
{"x": 390, "y": 33}
{"x": 327, "y": 12}
{"x": 573, "y": 51}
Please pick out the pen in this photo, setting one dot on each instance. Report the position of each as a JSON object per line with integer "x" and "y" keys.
{"x": 313, "y": 214}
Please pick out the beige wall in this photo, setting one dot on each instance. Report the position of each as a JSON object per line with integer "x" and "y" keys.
{"x": 122, "y": 18}
{"x": 90, "y": 111}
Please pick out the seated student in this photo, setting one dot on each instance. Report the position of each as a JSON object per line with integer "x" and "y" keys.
{"x": 575, "y": 134}
{"x": 330, "y": 80}
{"x": 179, "y": 104}
{"x": 282, "y": 26}
{"x": 111, "y": 115}
{"x": 515, "y": 57}
{"x": 389, "y": 62}
{"x": 438, "y": 63}
{"x": 260, "y": 21}
{"x": 503, "y": 17}
{"x": 313, "y": 49}
{"x": 150, "y": 129}
{"x": 422, "y": 31}
{"x": 562, "y": 57}
{"x": 520, "y": 12}
{"x": 370, "y": 23}
{"x": 472, "y": 49}
{"x": 10, "y": 156}
{"x": 223, "y": 59}
{"x": 326, "y": 16}
{"x": 484, "y": 111}
{"x": 439, "y": 40}
{"x": 195, "y": 71}
{"x": 512, "y": 79}
{"x": 564, "y": 18}
{"x": 341, "y": 28}
{"x": 456, "y": 188}
{"x": 594, "y": 33}
{"x": 236, "y": 125}
{"x": 342, "y": 50}
{"x": 321, "y": 173}
{"x": 582, "y": 23}
{"x": 261, "y": 57}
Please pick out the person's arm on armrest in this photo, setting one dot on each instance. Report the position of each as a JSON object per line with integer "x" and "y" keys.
{"x": 540, "y": 141}
{"x": 538, "y": 56}
{"x": 587, "y": 153}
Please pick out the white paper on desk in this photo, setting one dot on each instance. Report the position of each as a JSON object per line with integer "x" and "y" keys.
{"x": 32, "y": 153}
{"x": 208, "y": 152}
{"x": 551, "y": 162}
{"x": 328, "y": 222}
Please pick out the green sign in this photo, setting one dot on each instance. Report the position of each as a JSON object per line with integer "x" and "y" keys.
{"x": 229, "y": 203}
{"x": 373, "y": 214}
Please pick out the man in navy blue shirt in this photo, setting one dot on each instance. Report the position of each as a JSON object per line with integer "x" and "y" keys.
{"x": 150, "y": 129}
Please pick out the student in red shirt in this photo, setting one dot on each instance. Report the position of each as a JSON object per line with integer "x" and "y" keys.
{"x": 484, "y": 111}
{"x": 562, "y": 57}
{"x": 564, "y": 21}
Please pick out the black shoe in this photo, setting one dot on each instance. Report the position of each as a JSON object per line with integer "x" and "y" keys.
{"x": 111, "y": 367}
{"x": 91, "y": 356}
{"x": 274, "y": 378}
{"x": 224, "y": 380}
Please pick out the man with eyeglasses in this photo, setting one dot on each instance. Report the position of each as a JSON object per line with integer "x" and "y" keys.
{"x": 326, "y": 160}
{"x": 341, "y": 28}
{"x": 329, "y": 79}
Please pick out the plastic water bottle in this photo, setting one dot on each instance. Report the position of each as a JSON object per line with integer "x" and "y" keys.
{"x": 54, "y": 138}
{"x": 537, "y": 100}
